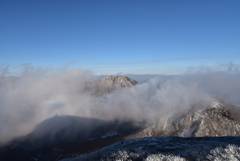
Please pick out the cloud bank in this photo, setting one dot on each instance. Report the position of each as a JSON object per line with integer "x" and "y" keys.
{"x": 35, "y": 94}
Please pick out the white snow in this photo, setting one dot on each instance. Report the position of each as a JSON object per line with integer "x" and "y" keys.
{"x": 109, "y": 134}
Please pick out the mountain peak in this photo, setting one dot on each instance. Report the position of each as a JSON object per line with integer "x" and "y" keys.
{"x": 120, "y": 81}
{"x": 109, "y": 84}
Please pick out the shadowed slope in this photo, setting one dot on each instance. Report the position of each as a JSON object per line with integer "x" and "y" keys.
{"x": 64, "y": 130}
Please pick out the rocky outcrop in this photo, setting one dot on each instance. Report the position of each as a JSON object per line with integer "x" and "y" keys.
{"x": 108, "y": 84}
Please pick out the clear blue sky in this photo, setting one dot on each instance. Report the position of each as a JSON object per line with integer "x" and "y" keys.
{"x": 129, "y": 36}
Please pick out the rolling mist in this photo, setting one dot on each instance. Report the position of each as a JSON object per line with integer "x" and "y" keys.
{"x": 35, "y": 94}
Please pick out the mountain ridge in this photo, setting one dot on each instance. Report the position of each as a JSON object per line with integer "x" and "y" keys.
{"x": 217, "y": 119}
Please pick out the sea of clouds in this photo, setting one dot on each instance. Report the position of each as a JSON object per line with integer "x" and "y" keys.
{"x": 32, "y": 95}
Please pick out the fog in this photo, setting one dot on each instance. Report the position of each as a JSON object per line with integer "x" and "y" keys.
{"x": 36, "y": 94}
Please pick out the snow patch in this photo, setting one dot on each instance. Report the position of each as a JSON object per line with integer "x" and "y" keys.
{"x": 109, "y": 134}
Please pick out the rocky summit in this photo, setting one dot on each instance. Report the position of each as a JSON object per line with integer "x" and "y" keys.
{"x": 117, "y": 82}
{"x": 108, "y": 84}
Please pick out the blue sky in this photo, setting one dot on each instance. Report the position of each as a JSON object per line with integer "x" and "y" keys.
{"x": 129, "y": 36}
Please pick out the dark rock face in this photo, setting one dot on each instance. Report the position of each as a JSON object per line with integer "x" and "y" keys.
{"x": 108, "y": 84}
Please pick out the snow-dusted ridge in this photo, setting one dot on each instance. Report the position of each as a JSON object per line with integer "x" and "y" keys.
{"x": 216, "y": 119}
{"x": 169, "y": 149}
